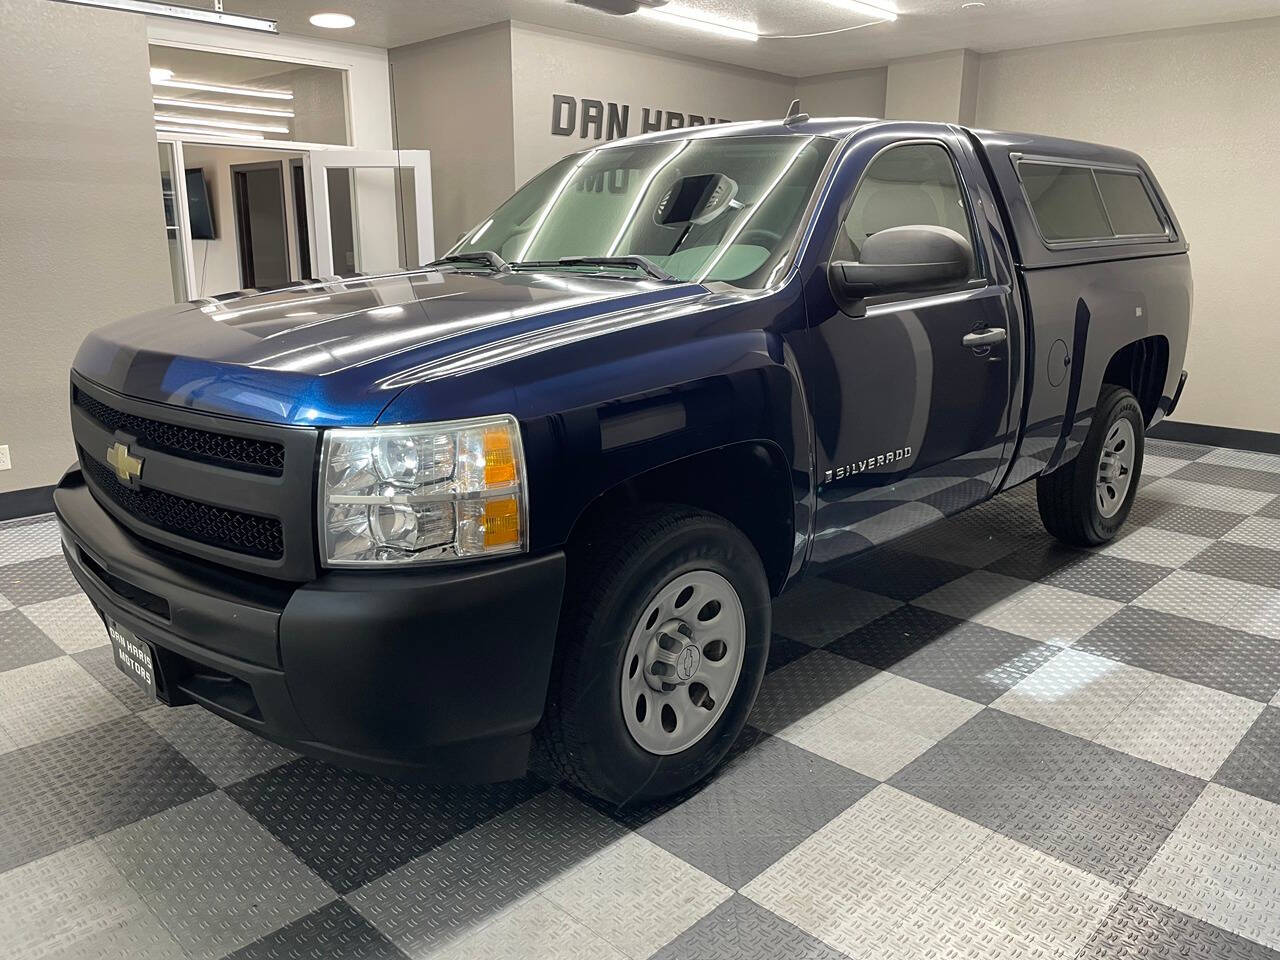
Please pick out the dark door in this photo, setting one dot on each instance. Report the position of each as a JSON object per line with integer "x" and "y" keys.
{"x": 261, "y": 232}
{"x": 909, "y": 421}
{"x": 300, "y": 218}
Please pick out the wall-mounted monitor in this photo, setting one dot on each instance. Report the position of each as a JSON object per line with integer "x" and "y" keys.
{"x": 199, "y": 208}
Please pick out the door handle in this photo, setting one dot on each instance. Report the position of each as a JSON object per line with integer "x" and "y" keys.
{"x": 984, "y": 339}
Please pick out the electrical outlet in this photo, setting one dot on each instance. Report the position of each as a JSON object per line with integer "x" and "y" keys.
{"x": 5, "y": 462}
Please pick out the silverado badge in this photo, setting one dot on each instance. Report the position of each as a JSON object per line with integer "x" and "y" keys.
{"x": 127, "y": 467}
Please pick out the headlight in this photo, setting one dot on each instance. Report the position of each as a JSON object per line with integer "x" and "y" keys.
{"x": 431, "y": 491}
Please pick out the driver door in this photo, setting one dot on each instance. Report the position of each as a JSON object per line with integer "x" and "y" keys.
{"x": 910, "y": 421}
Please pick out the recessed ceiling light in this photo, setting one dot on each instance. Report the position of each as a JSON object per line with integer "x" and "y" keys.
{"x": 220, "y": 107}
{"x": 223, "y": 88}
{"x": 881, "y": 9}
{"x": 697, "y": 20}
{"x": 972, "y": 5}
{"x": 221, "y": 124}
{"x": 332, "y": 21}
{"x": 161, "y": 73}
{"x": 204, "y": 134}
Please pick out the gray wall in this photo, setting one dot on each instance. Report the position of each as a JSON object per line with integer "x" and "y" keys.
{"x": 82, "y": 241}
{"x": 856, "y": 93}
{"x": 1200, "y": 105}
{"x": 453, "y": 97}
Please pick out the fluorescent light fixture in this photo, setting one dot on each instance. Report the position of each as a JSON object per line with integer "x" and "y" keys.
{"x": 871, "y": 8}
{"x": 221, "y": 124}
{"x": 697, "y": 20}
{"x": 194, "y": 132}
{"x": 176, "y": 11}
{"x": 223, "y": 88}
{"x": 220, "y": 107}
{"x": 332, "y": 21}
{"x": 161, "y": 73}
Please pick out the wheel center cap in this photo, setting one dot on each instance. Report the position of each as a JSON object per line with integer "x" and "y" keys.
{"x": 688, "y": 662}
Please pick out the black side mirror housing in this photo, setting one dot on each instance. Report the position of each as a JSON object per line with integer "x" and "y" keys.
{"x": 911, "y": 259}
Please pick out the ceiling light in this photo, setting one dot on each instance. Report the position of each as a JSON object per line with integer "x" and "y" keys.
{"x": 332, "y": 21}
{"x": 221, "y": 124}
{"x": 193, "y": 132}
{"x": 972, "y": 5}
{"x": 871, "y": 8}
{"x": 161, "y": 73}
{"x": 223, "y": 88}
{"x": 176, "y": 11}
{"x": 697, "y": 20}
{"x": 220, "y": 107}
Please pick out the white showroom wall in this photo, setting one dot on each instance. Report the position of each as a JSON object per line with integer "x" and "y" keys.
{"x": 1200, "y": 105}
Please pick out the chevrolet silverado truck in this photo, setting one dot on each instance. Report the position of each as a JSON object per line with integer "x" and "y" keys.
{"x": 544, "y": 489}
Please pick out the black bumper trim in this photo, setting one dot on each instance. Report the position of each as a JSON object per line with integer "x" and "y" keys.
{"x": 428, "y": 675}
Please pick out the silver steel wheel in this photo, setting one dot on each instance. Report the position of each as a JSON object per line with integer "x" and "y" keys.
{"x": 682, "y": 662}
{"x": 1115, "y": 467}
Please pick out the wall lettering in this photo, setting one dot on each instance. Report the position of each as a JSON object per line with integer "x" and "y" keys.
{"x": 590, "y": 119}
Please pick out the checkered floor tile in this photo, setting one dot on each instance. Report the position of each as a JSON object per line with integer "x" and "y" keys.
{"x": 974, "y": 743}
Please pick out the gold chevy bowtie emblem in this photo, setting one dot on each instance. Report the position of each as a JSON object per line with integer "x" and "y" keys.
{"x": 126, "y": 465}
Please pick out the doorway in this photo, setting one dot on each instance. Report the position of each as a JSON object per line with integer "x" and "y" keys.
{"x": 262, "y": 236}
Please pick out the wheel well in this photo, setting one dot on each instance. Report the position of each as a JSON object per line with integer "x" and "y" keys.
{"x": 746, "y": 483}
{"x": 1141, "y": 367}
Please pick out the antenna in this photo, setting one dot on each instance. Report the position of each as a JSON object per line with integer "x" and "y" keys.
{"x": 794, "y": 115}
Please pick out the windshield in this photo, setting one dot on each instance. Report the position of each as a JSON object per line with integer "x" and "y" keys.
{"x": 704, "y": 209}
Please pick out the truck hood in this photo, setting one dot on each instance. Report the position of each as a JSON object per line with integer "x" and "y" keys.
{"x": 322, "y": 353}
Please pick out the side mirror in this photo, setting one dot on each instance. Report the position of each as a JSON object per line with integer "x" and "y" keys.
{"x": 900, "y": 260}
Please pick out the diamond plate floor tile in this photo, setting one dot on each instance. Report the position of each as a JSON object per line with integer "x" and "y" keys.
{"x": 33, "y": 581}
{"x": 766, "y": 800}
{"x": 1261, "y": 532}
{"x": 783, "y": 650}
{"x": 1061, "y": 566}
{"x": 741, "y": 930}
{"x": 535, "y": 928}
{"x": 963, "y": 543}
{"x": 973, "y": 594}
{"x": 1222, "y": 865}
{"x": 101, "y": 665}
{"x": 1241, "y": 663}
{"x": 895, "y": 573}
{"x": 817, "y": 611}
{"x": 1005, "y": 901}
{"x": 1243, "y": 458}
{"x": 70, "y": 622}
{"x": 1254, "y": 765}
{"x": 1077, "y": 692}
{"x": 882, "y": 732}
{"x": 51, "y": 698}
{"x": 1212, "y": 496}
{"x": 854, "y": 882}
{"x": 1271, "y": 510}
{"x": 1226, "y": 475}
{"x": 22, "y": 643}
{"x": 809, "y": 689}
{"x": 334, "y": 932}
{"x": 1176, "y": 448}
{"x": 30, "y": 541}
{"x": 225, "y": 753}
{"x": 75, "y": 904}
{"x": 1089, "y": 806}
{"x": 1228, "y": 603}
{"x": 636, "y": 896}
{"x": 66, "y": 790}
{"x": 963, "y": 658}
{"x": 446, "y": 895}
{"x": 1164, "y": 548}
{"x": 1193, "y": 521}
{"x": 1142, "y": 929}
{"x": 1181, "y": 725}
{"x": 215, "y": 878}
{"x": 1238, "y": 561}
{"x": 1154, "y": 466}
{"x": 352, "y": 828}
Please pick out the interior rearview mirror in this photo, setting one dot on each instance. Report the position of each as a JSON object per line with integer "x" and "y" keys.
{"x": 911, "y": 259}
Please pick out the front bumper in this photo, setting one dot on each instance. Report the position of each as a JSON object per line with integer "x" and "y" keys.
{"x": 431, "y": 674}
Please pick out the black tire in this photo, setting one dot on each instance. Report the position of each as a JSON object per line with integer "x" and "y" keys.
{"x": 613, "y": 575}
{"x": 1067, "y": 497}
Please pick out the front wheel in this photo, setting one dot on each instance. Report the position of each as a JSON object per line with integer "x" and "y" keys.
{"x": 1086, "y": 502}
{"x": 662, "y": 647}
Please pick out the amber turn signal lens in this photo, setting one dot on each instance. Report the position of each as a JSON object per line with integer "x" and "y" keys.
{"x": 499, "y": 459}
{"x": 501, "y": 522}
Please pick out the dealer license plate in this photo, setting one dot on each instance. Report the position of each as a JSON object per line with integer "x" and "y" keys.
{"x": 134, "y": 657}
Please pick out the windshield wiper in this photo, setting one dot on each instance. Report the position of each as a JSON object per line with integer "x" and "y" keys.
{"x": 486, "y": 257}
{"x": 634, "y": 261}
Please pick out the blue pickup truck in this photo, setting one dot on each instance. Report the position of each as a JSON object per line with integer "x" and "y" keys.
{"x": 543, "y": 489}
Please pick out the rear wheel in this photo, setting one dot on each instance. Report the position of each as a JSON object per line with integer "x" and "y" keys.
{"x": 661, "y": 651}
{"x": 1086, "y": 502}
